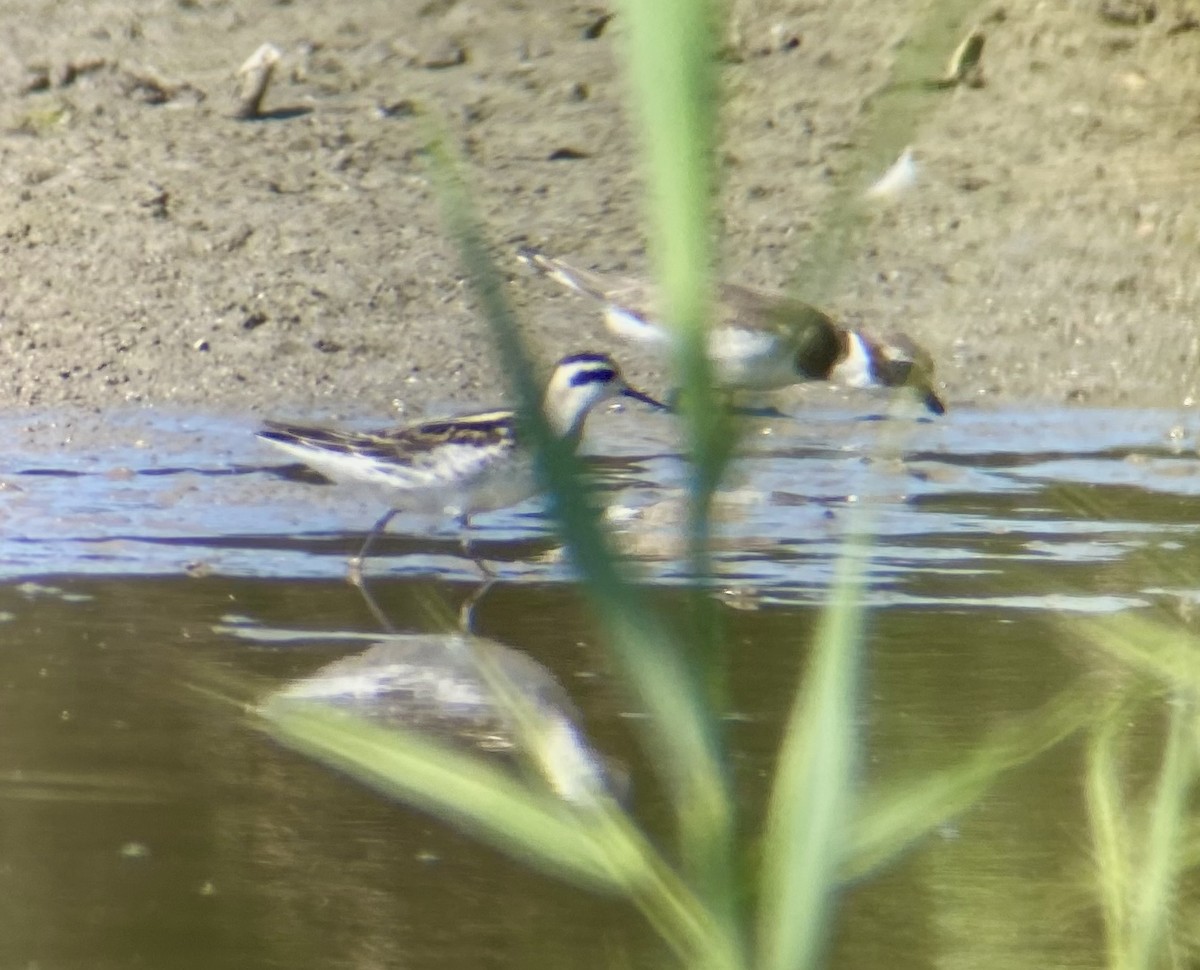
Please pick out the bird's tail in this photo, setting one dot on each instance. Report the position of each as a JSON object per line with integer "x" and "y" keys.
{"x": 562, "y": 272}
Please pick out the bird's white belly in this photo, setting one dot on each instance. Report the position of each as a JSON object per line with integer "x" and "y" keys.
{"x": 458, "y": 479}
{"x": 749, "y": 359}
{"x": 497, "y": 488}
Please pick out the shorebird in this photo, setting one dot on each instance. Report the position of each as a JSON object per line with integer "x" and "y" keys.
{"x": 758, "y": 341}
{"x": 459, "y": 465}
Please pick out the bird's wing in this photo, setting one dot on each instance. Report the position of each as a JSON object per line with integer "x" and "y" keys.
{"x": 479, "y": 433}
{"x": 815, "y": 340}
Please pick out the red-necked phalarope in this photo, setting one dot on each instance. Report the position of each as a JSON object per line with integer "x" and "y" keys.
{"x": 459, "y": 465}
{"x": 759, "y": 341}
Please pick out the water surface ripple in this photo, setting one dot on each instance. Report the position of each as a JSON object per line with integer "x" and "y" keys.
{"x": 958, "y": 499}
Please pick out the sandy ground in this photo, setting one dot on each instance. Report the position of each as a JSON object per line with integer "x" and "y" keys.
{"x": 155, "y": 251}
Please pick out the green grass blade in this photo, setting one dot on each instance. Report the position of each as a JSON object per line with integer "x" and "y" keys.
{"x": 1168, "y": 654}
{"x": 597, "y": 847}
{"x": 671, "y": 67}
{"x": 1111, "y": 832}
{"x": 813, "y": 793}
{"x": 890, "y": 822}
{"x": 1154, "y": 891}
{"x": 458, "y": 787}
{"x": 806, "y": 829}
{"x": 655, "y": 658}
{"x": 681, "y": 735}
{"x": 890, "y": 123}
{"x": 671, "y": 60}
{"x": 672, "y": 74}
{"x": 673, "y": 86}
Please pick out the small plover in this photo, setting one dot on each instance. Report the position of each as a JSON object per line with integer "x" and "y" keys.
{"x": 758, "y": 341}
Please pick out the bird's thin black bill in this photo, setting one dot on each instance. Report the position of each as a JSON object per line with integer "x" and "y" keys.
{"x": 644, "y": 398}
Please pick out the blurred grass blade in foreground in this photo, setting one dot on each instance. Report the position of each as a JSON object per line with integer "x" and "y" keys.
{"x": 671, "y": 60}
{"x": 812, "y": 798}
{"x": 681, "y": 737}
{"x": 1139, "y": 849}
{"x": 891, "y": 118}
{"x": 1166, "y": 653}
{"x": 1111, "y": 830}
{"x": 591, "y": 842}
{"x": 596, "y": 847}
{"x": 457, "y": 787}
{"x": 889, "y": 822}
{"x": 672, "y": 73}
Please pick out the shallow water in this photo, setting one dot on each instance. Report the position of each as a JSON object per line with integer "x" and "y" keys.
{"x": 154, "y": 567}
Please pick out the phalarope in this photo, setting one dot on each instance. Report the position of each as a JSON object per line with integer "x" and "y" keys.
{"x": 459, "y": 465}
{"x": 759, "y": 341}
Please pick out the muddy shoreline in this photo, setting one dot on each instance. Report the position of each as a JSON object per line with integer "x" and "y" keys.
{"x": 154, "y": 251}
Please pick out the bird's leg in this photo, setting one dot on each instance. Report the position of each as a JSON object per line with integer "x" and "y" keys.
{"x": 464, "y": 525}
{"x": 355, "y": 565}
{"x": 375, "y": 608}
{"x": 466, "y": 612}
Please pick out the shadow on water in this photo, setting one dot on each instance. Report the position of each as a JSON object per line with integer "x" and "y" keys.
{"x": 145, "y": 822}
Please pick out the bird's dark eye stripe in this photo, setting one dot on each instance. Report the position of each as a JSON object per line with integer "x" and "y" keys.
{"x": 600, "y": 375}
